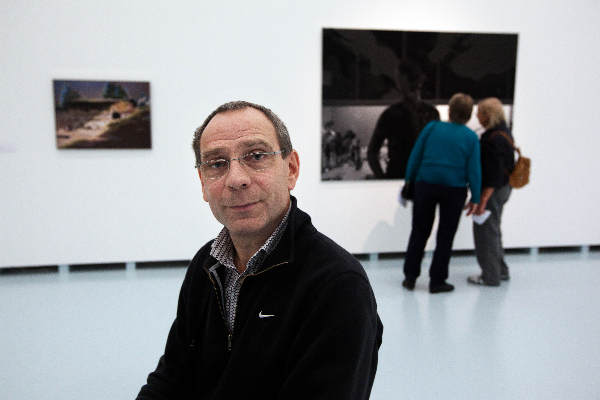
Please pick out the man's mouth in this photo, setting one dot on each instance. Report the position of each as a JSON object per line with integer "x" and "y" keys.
{"x": 243, "y": 207}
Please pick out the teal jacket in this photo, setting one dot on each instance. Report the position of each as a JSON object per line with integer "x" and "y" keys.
{"x": 446, "y": 154}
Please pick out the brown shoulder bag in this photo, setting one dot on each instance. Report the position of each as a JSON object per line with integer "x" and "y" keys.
{"x": 519, "y": 176}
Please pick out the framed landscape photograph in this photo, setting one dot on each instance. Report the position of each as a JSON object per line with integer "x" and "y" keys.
{"x": 380, "y": 88}
{"x": 102, "y": 114}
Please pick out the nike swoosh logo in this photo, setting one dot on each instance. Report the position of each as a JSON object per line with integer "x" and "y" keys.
{"x": 261, "y": 315}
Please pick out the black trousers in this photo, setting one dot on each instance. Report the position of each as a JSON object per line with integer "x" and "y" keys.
{"x": 427, "y": 197}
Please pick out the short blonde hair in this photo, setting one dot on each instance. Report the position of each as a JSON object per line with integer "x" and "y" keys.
{"x": 491, "y": 109}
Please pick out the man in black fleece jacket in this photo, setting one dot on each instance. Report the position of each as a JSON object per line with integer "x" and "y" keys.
{"x": 270, "y": 309}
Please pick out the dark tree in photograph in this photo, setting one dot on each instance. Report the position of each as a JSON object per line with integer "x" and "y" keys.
{"x": 102, "y": 114}
{"x": 114, "y": 91}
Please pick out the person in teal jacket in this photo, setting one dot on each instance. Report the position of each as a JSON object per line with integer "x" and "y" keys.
{"x": 443, "y": 163}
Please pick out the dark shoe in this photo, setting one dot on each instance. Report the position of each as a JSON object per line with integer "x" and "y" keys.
{"x": 408, "y": 283}
{"x": 440, "y": 288}
{"x": 478, "y": 280}
{"x": 505, "y": 277}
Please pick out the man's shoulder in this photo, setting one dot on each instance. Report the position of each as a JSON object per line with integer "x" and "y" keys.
{"x": 328, "y": 258}
{"x": 426, "y": 107}
{"x": 202, "y": 255}
{"x": 326, "y": 273}
{"x": 395, "y": 111}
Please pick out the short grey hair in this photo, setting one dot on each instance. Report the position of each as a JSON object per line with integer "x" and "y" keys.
{"x": 461, "y": 107}
{"x": 491, "y": 108}
{"x": 283, "y": 136}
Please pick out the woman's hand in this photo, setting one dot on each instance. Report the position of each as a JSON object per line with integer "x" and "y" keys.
{"x": 486, "y": 193}
{"x": 471, "y": 208}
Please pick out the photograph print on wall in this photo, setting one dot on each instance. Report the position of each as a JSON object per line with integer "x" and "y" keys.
{"x": 380, "y": 88}
{"x": 102, "y": 114}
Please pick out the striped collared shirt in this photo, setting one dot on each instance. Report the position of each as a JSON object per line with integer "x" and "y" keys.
{"x": 223, "y": 251}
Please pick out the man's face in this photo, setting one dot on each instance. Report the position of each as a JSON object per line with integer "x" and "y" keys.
{"x": 249, "y": 203}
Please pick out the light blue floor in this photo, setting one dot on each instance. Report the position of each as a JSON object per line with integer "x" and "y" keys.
{"x": 96, "y": 335}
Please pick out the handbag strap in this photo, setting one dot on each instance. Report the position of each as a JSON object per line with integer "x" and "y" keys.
{"x": 509, "y": 140}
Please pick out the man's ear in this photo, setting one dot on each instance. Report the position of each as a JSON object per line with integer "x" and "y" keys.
{"x": 202, "y": 182}
{"x": 293, "y": 168}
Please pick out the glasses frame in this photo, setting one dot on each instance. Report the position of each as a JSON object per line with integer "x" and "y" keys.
{"x": 239, "y": 159}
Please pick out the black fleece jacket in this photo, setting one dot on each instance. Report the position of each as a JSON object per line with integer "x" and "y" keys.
{"x": 497, "y": 157}
{"x": 319, "y": 340}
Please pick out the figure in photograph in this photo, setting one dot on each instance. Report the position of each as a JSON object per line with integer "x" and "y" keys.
{"x": 444, "y": 162}
{"x": 350, "y": 149}
{"x": 497, "y": 161}
{"x": 330, "y": 142}
{"x": 271, "y": 308}
{"x": 400, "y": 124}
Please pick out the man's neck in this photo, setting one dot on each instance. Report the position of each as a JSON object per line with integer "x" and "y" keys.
{"x": 246, "y": 245}
{"x": 244, "y": 250}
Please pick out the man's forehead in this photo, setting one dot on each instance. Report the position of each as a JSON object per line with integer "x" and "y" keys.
{"x": 216, "y": 148}
{"x": 238, "y": 128}
{"x": 240, "y": 120}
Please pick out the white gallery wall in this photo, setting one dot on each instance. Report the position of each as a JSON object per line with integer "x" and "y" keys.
{"x": 82, "y": 206}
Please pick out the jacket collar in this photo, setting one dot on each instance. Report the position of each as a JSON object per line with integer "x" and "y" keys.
{"x": 284, "y": 252}
{"x": 499, "y": 127}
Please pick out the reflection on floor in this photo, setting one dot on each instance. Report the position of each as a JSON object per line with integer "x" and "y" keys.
{"x": 95, "y": 335}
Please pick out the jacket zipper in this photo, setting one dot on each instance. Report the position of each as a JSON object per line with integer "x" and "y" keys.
{"x": 268, "y": 269}
{"x": 230, "y": 337}
{"x": 236, "y": 307}
{"x": 221, "y": 306}
{"x": 221, "y": 309}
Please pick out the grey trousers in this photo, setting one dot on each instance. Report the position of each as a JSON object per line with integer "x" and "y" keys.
{"x": 488, "y": 239}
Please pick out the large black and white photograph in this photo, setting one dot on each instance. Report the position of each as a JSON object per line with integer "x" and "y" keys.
{"x": 380, "y": 88}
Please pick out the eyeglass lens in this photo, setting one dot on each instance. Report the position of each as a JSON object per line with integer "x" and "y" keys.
{"x": 215, "y": 169}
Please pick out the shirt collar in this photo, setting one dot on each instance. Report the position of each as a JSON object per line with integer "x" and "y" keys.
{"x": 222, "y": 248}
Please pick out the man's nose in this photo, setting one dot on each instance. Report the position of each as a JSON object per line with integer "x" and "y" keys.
{"x": 237, "y": 176}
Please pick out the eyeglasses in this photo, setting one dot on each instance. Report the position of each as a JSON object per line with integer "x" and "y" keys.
{"x": 255, "y": 161}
